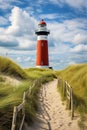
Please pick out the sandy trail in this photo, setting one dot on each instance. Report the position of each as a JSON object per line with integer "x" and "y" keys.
{"x": 52, "y": 114}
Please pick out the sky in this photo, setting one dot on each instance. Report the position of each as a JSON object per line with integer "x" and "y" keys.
{"x": 66, "y": 20}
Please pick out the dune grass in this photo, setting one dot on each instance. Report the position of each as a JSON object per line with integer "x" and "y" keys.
{"x": 76, "y": 76}
{"x": 45, "y": 75}
{"x": 8, "y": 67}
{"x": 11, "y": 95}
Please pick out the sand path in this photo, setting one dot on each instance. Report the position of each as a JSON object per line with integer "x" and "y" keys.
{"x": 52, "y": 113}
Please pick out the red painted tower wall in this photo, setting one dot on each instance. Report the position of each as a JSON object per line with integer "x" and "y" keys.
{"x": 42, "y": 53}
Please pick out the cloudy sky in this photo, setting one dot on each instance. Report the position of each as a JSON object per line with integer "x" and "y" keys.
{"x": 66, "y": 20}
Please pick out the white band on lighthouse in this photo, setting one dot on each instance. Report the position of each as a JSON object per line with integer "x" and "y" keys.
{"x": 40, "y": 66}
{"x": 42, "y": 37}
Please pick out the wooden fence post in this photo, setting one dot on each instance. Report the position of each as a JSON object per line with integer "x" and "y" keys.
{"x": 68, "y": 93}
{"x": 57, "y": 82}
{"x": 70, "y": 96}
{"x": 14, "y": 118}
{"x": 23, "y": 111}
{"x": 24, "y": 96}
{"x": 64, "y": 89}
{"x": 72, "y": 106}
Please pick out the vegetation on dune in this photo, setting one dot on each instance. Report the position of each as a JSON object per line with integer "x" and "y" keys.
{"x": 45, "y": 75}
{"x": 76, "y": 76}
{"x": 11, "y": 95}
{"x": 8, "y": 67}
{"x": 2, "y": 79}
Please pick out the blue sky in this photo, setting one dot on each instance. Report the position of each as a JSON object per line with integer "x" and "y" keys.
{"x": 66, "y": 20}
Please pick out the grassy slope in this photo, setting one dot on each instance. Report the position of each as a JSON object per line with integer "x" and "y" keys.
{"x": 44, "y": 75}
{"x": 10, "y": 95}
{"x": 8, "y": 67}
{"x": 76, "y": 76}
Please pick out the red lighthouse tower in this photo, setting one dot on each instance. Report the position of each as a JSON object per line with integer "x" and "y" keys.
{"x": 42, "y": 59}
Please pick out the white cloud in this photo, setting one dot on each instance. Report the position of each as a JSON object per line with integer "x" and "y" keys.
{"x": 73, "y": 3}
{"x": 26, "y": 43}
{"x": 76, "y": 3}
{"x": 3, "y": 51}
{"x": 2, "y": 31}
{"x": 8, "y": 41}
{"x": 19, "y": 59}
{"x": 21, "y": 23}
{"x": 20, "y": 34}
{"x": 8, "y": 4}
{"x": 80, "y": 38}
{"x": 29, "y": 9}
{"x": 79, "y": 48}
{"x": 71, "y": 63}
{"x": 25, "y": 60}
{"x": 3, "y": 21}
{"x": 68, "y": 31}
{"x": 60, "y": 48}
{"x": 4, "y": 4}
{"x": 28, "y": 59}
{"x": 59, "y": 2}
{"x": 49, "y": 16}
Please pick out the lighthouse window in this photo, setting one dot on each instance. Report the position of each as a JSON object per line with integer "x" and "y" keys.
{"x": 42, "y": 25}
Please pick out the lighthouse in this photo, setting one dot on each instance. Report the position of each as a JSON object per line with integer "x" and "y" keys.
{"x": 42, "y": 58}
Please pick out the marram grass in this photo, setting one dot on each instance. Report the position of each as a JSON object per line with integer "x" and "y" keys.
{"x": 76, "y": 76}
{"x": 11, "y": 95}
{"x": 8, "y": 67}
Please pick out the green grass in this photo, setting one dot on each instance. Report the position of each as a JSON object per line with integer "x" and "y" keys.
{"x": 76, "y": 76}
{"x": 9, "y": 97}
{"x": 12, "y": 95}
{"x": 8, "y": 67}
{"x": 2, "y": 79}
{"x": 45, "y": 75}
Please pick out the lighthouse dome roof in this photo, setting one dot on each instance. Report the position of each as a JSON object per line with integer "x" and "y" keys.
{"x": 42, "y": 22}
